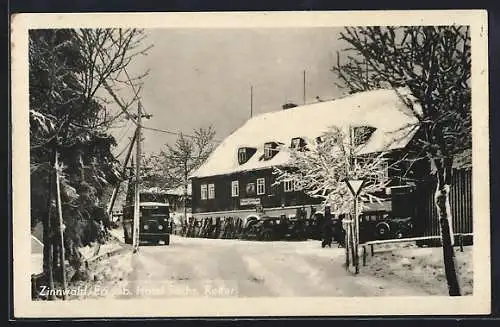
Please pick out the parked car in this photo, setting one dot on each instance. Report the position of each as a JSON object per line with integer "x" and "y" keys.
{"x": 275, "y": 228}
{"x": 383, "y": 225}
{"x": 294, "y": 229}
{"x": 313, "y": 229}
{"x": 263, "y": 229}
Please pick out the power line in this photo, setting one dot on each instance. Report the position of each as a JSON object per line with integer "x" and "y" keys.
{"x": 173, "y": 133}
{"x": 132, "y": 118}
{"x": 124, "y": 133}
{"x": 124, "y": 149}
{"x": 133, "y": 89}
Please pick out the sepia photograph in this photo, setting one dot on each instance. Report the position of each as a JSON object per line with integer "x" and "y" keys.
{"x": 250, "y": 164}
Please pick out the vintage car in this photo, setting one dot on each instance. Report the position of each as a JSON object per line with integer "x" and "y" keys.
{"x": 383, "y": 225}
{"x": 275, "y": 228}
{"x": 154, "y": 222}
{"x": 375, "y": 225}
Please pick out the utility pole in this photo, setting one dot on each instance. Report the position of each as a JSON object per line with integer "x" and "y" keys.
{"x": 48, "y": 234}
{"x": 304, "y": 87}
{"x": 135, "y": 233}
{"x": 251, "y": 101}
{"x": 124, "y": 171}
{"x": 61, "y": 226}
{"x": 185, "y": 190}
{"x": 366, "y": 67}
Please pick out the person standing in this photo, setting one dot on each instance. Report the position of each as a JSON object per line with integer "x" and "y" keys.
{"x": 327, "y": 228}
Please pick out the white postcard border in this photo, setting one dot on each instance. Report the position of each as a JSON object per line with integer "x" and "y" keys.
{"x": 478, "y": 303}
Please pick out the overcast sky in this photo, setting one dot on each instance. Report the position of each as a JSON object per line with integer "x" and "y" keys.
{"x": 200, "y": 77}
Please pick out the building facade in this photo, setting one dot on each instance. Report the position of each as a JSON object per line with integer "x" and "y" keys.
{"x": 244, "y": 191}
{"x": 238, "y": 180}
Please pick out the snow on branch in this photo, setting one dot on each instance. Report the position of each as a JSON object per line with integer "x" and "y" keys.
{"x": 321, "y": 168}
{"x": 434, "y": 62}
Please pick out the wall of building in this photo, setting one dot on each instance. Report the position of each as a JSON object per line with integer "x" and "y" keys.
{"x": 274, "y": 196}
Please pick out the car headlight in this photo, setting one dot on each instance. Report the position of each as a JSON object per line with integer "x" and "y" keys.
{"x": 160, "y": 227}
{"x": 146, "y": 227}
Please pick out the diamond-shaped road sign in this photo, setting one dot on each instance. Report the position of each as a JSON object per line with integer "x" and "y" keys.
{"x": 355, "y": 185}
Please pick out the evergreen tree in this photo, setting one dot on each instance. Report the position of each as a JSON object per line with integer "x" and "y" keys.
{"x": 68, "y": 117}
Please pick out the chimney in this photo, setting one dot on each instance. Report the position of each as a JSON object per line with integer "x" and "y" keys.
{"x": 288, "y": 106}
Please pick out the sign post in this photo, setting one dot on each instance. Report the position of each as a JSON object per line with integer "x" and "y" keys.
{"x": 355, "y": 186}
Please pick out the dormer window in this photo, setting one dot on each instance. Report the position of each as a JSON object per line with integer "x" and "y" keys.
{"x": 298, "y": 143}
{"x": 361, "y": 134}
{"x": 244, "y": 154}
{"x": 270, "y": 150}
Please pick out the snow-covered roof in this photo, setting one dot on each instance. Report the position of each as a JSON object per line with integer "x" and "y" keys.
{"x": 171, "y": 191}
{"x": 154, "y": 190}
{"x": 383, "y": 109}
{"x": 179, "y": 190}
{"x": 154, "y": 204}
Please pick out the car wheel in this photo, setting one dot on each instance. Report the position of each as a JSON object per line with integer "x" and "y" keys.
{"x": 266, "y": 235}
{"x": 398, "y": 234}
{"x": 128, "y": 239}
{"x": 382, "y": 230}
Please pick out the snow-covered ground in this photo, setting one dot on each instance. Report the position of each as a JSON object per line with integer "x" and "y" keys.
{"x": 234, "y": 268}
{"x": 420, "y": 267}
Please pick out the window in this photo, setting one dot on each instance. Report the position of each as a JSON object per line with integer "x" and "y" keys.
{"x": 296, "y": 186}
{"x": 261, "y": 186}
{"x": 203, "y": 191}
{"x": 235, "y": 189}
{"x": 250, "y": 189}
{"x": 245, "y": 153}
{"x": 242, "y": 156}
{"x": 383, "y": 172}
{"x": 211, "y": 191}
{"x": 288, "y": 185}
{"x": 298, "y": 143}
{"x": 269, "y": 150}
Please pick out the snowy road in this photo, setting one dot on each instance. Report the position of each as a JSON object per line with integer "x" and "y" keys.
{"x": 214, "y": 267}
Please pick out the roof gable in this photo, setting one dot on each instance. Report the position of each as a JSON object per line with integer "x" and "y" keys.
{"x": 383, "y": 109}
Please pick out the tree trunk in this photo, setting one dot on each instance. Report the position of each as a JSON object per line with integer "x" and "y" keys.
{"x": 48, "y": 238}
{"x": 55, "y": 254}
{"x": 186, "y": 173}
{"x": 442, "y": 201}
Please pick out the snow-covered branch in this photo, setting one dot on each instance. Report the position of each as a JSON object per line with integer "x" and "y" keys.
{"x": 321, "y": 168}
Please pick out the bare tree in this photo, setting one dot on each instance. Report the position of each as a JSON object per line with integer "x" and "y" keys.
{"x": 186, "y": 155}
{"x": 107, "y": 54}
{"x": 435, "y": 63}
